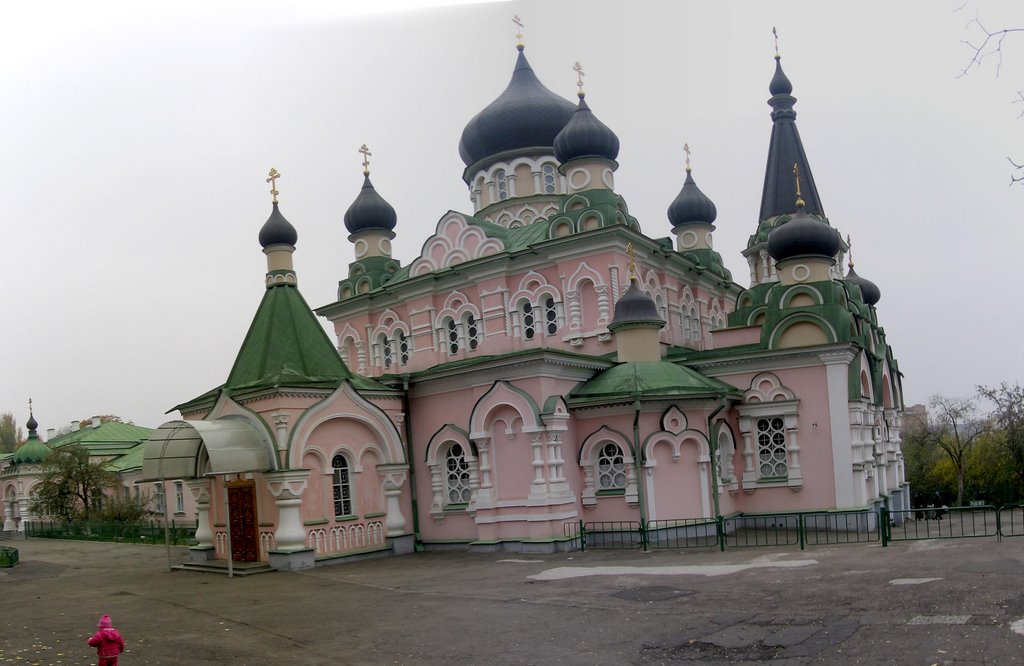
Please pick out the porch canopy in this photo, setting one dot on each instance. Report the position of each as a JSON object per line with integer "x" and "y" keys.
{"x": 174, "y": 450}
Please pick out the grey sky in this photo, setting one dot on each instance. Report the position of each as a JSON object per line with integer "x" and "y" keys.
{"x": 136, "y": 138}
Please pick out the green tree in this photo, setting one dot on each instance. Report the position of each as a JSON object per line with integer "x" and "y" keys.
{"x": 1007, "y": 417}
{"x": 72, "y": 486}
{"x": 11, "y": 435}
{"x": 990, "y": 472}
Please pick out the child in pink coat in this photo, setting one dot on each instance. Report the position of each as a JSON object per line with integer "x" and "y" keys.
{"x": 108, "y": 642}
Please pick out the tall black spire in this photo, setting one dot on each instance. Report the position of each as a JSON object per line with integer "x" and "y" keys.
{"x": 785, "y": 149}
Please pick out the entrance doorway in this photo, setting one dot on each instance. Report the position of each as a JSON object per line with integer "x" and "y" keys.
{"x": 245, "y": 542}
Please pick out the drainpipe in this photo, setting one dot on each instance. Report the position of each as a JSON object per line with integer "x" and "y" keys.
{"x": 638, "y": 457}
{"x": 713, "y": 441}
{"x": 417, "y": 544}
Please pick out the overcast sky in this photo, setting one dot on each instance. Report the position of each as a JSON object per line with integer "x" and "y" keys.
{"x": 136, "y": 137}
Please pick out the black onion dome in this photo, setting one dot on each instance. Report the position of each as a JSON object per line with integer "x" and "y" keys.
{"x": 369, "y": 211}
{"x": 636, "y": 307}
{"x": 780, "y": 84}
{"x": 585, "y": 136}
{"x": 803, "y": 236}
{"x": 868, "y": 289}
{"x": 691, "y": 205}
{"x": 277, "y": 230}
{"x": 526, "y": 115}
{"x": 31, "y": 424}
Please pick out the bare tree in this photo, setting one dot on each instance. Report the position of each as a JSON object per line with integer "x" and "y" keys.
{"x": 985, "y": 45}
{"x": 954, "y": 428}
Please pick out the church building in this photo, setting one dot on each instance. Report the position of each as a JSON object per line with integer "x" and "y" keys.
{"x": 545, "y": 360}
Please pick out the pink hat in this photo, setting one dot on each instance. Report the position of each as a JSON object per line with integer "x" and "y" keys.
{"x": 105, "y": 622}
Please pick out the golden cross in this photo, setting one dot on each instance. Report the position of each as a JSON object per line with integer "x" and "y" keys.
{"x": 272, "y": 179}
{"x": 519, "y": 30}
{"x": 849, "y": 248}
{"x": 632, "y": 260}
{"x": 799, "y": 197}
{"x": 579, "y": 77}
{"x": 776, "y": 33}
{"x": 30, "y": 406}
{"x": 686, "y": 149}
{"x": 366, "y": 158}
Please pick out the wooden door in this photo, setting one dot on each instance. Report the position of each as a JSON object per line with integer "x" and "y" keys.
{"x": 245, "y": 542}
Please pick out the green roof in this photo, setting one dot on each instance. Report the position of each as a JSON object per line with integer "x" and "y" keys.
{"x": 109, "y": 433}
{"x": 286, "y": 346}
{"x": 648, "y": 379}
{"x": 130, "y": 460}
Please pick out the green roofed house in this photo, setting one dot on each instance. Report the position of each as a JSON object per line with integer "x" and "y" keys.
{"x": 545, "y": 360}
{"x": 119, "y": 446}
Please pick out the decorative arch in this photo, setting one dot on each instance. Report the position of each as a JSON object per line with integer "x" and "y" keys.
{"x": 801, "y": 330}
{"x": 454, "y": 241}
{"x": 346, "y": 403}
{"x": 800, "y": 295}
{"x": 502, "y": 394}
{"x": 766, "y": 387}
{"x": 584, "y": 272}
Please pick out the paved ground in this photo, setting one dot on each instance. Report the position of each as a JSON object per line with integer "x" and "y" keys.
{"x": 927, "y": 602}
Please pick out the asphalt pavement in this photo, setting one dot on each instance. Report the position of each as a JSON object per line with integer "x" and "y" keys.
{"x": 923, "y": 602}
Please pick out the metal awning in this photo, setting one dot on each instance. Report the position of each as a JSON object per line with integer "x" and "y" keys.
{"x": 232, "y": 446}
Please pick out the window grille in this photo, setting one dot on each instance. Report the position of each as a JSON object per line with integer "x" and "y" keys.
{"x": 342, "y": 486}
{"x": 457, "y": 475}
{"x": 771, "y": 448}
{"x": 549, "y": 179}
{"x": 499, "y": 178}
{"x": 385, "y": 351}
{"x": 453, "y": 337}
{"x": 403, "y": 348}
{"x": 471, "y": 331}
{"x": 611, "y": 468}
{"x": 551, "y": 315}
{"x": 527, "y": 320}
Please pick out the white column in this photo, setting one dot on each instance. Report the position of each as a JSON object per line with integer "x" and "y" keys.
{"x": 837, "y": 368}
{"x": 201, "y": 493}
{"x": 281, "y": 435}
{"x": 287, "y": 487}
{"x": 24, "y": 508}
{"x": 394, "y": 477}
{"x": 9, "y": 525}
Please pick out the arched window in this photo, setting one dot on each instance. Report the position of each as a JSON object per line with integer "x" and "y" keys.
{"x": 611, "y": 468}
{"x": 385, "y": 351}
{"x": 453, "y": 337}
{"x": 403, "y": 348}
{"x": 457, "y": 485}
{"x": 502, "y": 184}
{"x": 471, "y": 331}
{"x": 549, "y": 178}
{"x": 527, "y": 311}
{"x": 342, "y": 486}
{"x": 550, "y": 315}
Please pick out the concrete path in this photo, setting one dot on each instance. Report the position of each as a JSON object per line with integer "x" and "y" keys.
{"x": 928, "y": 602}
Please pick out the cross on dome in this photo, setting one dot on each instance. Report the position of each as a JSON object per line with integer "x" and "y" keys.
{"x": 272, "y": 179}
{"x": 519, "y": 31}
{"x": 366, "y": 158}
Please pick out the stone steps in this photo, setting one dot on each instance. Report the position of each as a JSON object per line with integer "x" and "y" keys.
{"x": 221, "y": 567}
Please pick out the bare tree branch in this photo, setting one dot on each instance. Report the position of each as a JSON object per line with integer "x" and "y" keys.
{"x": 991, "y": 44}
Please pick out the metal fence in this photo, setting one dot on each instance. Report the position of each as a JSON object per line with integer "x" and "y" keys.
{"x": 8, "y": 557}
{"x": 1010, "y": 519}
{"x": 955, "y": 522}
{"x": 683, "y": 533}
{"x": 178, "y": 534}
